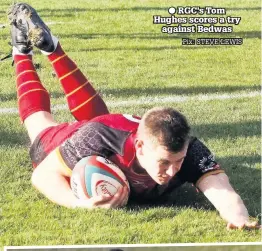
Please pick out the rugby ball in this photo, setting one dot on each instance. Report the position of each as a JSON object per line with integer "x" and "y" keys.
{"x": 95, "y": 176}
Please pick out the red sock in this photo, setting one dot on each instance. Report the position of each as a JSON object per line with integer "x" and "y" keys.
{"x": 83, "y": 101}
{"x": 32, "y": 96}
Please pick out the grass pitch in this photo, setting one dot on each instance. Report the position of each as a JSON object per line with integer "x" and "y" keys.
{"x": 136, "y": 67}
{"x": 158, "y": 247}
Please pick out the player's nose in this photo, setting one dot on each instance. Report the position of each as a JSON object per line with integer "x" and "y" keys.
{"x": 171, "y": 171}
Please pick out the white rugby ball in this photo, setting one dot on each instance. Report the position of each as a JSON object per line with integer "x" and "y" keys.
{"x": 95, "y": 176}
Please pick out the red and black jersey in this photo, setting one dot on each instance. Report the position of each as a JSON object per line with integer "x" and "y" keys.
{"x": 112, "y": 136}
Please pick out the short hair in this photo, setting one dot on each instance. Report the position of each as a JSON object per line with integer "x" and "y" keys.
{"x": 167, "y": 127}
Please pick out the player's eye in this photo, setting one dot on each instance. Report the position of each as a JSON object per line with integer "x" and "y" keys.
{"x": 180, "y": 160}
{"x": 164, "y": 162}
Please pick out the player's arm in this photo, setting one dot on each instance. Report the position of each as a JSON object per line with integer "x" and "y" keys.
{"x": 229, "y": 204}
{"x": 51, "y": 179}
{"x": 201, "y": 169}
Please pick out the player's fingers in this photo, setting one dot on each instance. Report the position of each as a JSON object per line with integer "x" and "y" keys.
{"x": 125, "y": 197}
{"x": 236, "y": 226}
{"x": 106, "y": 201}
{"x": 253, "y": 224}
{"x": 247, "y": 225}
{"x": 122, "y": 197}
{"x": 112, "y": 203}
{"x": 231, "y": 226}
{"x": 117, "y": 198}
{"x": 241, "y": 226}
{"x": 97, "y": 201}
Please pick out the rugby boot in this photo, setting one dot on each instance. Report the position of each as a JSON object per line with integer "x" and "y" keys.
{"x": 31, "y": 30}
{"x": 19, "y": 33}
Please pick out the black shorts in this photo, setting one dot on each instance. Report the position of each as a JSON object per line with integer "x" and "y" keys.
{"x": 51, "y": 138}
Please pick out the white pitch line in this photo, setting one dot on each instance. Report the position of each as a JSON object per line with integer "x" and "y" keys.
{"x": 152, "y": 100}
{"x": 181, "y": 99}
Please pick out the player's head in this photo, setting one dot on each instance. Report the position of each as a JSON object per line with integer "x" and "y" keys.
{"x": 162, "y": 142}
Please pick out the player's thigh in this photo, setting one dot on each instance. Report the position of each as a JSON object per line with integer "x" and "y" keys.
{"x": 37, "y": 122}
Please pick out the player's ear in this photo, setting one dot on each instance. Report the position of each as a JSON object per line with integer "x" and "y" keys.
{"x": 139, "y": 146}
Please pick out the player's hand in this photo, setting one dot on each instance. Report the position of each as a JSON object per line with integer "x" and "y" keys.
{"x": 118, "y": 200}
{"x": 244, "y": 225}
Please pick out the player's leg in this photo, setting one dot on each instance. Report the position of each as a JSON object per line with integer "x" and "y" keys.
{"x": 83, "y": 101}
{"x": 33, "y": 99}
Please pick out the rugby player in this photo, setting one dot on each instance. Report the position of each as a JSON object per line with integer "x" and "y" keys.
{"x": 156, "y": 153}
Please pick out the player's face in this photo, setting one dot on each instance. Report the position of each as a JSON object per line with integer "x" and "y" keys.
{"x": 159, "y": 163}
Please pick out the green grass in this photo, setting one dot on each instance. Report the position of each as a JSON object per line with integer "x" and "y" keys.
{"x": 127, "y": 58}
{"x": 159, "y": 247}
